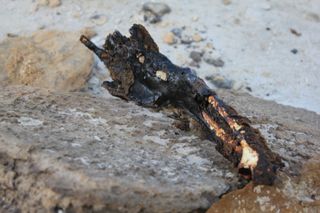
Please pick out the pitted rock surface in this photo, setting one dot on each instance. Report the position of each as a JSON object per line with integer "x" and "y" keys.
{"x": 78, "y": 152}
{"x": 47, "y": 59}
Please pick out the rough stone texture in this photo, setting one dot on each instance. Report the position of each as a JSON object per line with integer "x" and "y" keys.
{"x": 153, "y": 11}
{"x": 157, "y": 8}
{"x": 48, "y": 59}
{"x": 81, "y": 153}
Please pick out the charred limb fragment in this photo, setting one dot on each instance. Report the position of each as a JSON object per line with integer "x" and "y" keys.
{"x": 140, "y": 73}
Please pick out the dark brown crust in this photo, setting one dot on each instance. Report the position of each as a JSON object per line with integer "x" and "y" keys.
{"x": 268, "y": 162}
{"x": 140, "y": 73}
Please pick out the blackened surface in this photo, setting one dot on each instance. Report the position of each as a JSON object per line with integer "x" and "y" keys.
{"x": 140, "y": 73}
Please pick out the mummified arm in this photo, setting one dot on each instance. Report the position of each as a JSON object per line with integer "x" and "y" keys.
{"x": 140, "y": 73}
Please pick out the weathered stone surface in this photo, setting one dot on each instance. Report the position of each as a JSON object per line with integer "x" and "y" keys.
{"x": 77, "y": 152}
{"x": 153, "y": 11}
{"x": 48, "y": 59}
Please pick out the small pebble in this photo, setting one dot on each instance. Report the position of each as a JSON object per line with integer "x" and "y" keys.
{"x": 197, "y": 38}
{"x": 153, "y": 11}
{"x": 226, "y": 2}
{"x": 220, "y": 82}
{"x": 169, "y": 38}
{"x": 177, "y": 32}
{"x": 313, "y": 17}
{"x": 157, "y": 8}
{"x": 294, "y": 32}
{"x": 196, "y": 56}
{"x": 185, "y": 39}
{"x": 42, "y": 2}
{"x": 215, "y": 62}
{"x": 42, "y": 27}
{"x": 54, "y": 3}
{"x": 46, "y": 3}
{"x": 98, "y": 19}
{"x": 12, "y": 35}
{"x": 194, "y": 64}
{"x": 151, "y": 18}
{"x": 294, "y": 51}
{"x": 248, "y": 88}
{"x": 209, "y": 46}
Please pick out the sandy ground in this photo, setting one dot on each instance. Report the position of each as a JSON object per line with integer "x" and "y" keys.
{"x": 255, "y": 39}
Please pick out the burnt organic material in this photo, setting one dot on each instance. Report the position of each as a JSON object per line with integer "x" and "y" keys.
{"x": 140, "y": 73}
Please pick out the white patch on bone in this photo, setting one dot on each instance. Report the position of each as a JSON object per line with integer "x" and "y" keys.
{"x": 249, "y": 158}
{"x": 162, "y": 75}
